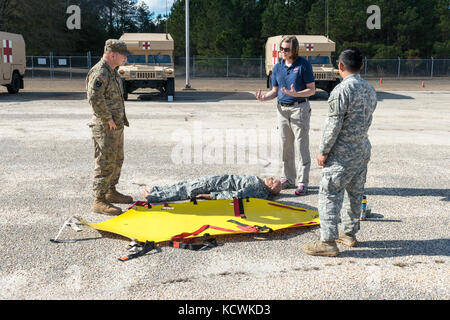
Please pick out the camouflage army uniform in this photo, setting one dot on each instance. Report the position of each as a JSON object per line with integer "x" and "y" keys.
{"x": 346, "y": 143}
{"x": 104, "y": 93}
{"x": 219, "y": 187}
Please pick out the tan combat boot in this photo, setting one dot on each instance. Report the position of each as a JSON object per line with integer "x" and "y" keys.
{"x": 347, "y": 239}
{"x": 116, "y": 197}
{"x": 104, "y": 207}
{"x": 321, "y": 248}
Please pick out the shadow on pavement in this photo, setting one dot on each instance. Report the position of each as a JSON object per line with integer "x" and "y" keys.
{"x": 34, "y": 96}
{"x": 188, "y": 96}
{"x": 381, "y": 95}
{"x": 410, "y": 192}
{"x": 399, "y": 248}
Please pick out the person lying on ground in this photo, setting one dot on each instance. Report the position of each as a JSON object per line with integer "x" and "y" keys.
{"x": 219, "y": 187}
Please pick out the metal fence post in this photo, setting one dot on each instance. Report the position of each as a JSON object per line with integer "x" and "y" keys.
{"x": 398, "y": 73}
{"x": 32, "y": 67}
{"x": 432, "y": 67}
{"x": 51, "y": 65}
{"x": 365, "y": 67}
{"x": 227, "y": 66}
{"x": 88, "y": 60}
{"x": 260, "y": 67}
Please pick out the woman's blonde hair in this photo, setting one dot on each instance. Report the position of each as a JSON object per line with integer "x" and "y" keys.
{"x": 294, "y": 45}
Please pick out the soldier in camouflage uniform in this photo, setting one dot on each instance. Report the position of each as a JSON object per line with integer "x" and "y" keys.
{"x": 219, "y": 187}
{"x": 104, "y": 93}
{"x": 344, "y": 153}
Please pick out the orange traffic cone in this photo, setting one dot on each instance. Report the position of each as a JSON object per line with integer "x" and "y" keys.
{"x": 381, "y": 80}
{"x": 423, "y": 84}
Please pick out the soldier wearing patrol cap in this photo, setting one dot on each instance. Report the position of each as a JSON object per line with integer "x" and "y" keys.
{"x": 344, "y": 153}
{"x": 104, "y": 93}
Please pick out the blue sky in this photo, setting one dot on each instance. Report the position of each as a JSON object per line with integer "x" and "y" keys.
{"x": 159, "y": 6}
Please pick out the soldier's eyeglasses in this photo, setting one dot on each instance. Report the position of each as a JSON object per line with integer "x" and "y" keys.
{"x": 285, "y": 49}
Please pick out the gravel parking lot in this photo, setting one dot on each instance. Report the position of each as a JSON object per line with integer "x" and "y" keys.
{"x": 46, "y": 176}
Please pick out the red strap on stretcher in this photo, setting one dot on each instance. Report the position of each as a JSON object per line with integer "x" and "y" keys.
{"x": 141, "y": 204}
{"x": 184, "y": 235}
{"x": 286, "y": 207}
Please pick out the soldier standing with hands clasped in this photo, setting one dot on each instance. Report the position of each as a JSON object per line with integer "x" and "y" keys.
{"x": 292, "y": 83}
{"x": 104, "y": 93}
{"x": 344, "y": 153}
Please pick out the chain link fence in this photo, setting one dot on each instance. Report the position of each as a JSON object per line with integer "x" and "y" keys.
{"x": 76, "y": 67}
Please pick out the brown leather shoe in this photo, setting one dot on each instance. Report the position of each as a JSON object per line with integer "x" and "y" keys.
{"x": 347, "y": 240}
{"x": 116, "y": 197}
{"x": 321, "y": 248}
{"x": 104, "y": 207}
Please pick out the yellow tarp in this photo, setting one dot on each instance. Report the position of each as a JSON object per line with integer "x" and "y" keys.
{"x": 162, "y": 222}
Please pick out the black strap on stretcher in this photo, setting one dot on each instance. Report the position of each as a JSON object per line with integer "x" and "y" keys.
{"x": 207, "y": 243}
{"x": 259, "y": 228}
{"x": 147, "y": 247}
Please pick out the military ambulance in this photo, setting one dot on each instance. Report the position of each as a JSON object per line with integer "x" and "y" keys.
{"x": 316, "y": 49}
{"x": 12, "y": 61}
{"x": 150, "y": 65}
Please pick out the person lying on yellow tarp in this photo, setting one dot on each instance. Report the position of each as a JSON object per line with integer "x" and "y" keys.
{"x": 218, "y": 187}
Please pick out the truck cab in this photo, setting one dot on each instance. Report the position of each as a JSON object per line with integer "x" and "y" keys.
{"x": 150, "y": 64}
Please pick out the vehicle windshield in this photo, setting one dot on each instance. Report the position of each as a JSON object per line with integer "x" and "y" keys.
{"x": 158, "y": 58}
{"x": 136, "y": 58}
{"x": 319, "y": 60}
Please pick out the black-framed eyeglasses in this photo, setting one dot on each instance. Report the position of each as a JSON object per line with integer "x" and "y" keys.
{"x": 285, "y": 49}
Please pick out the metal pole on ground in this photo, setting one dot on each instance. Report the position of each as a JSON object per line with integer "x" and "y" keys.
{"x": 432, "y": 67}
{"x": 188, "y": 85}
{"x": 365, "y": 67}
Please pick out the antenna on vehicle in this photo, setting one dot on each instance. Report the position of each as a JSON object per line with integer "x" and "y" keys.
{"x": 326, "y": 21}
{"x": 167, "y": 18}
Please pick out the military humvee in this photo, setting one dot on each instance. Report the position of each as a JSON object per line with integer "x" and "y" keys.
{"x": 150, "y": 65}
{"x": 316, "y": 49}
{"x": 12, "y": 61}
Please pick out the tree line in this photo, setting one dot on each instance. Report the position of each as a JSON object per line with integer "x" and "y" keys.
{"x": 235, "y": 28}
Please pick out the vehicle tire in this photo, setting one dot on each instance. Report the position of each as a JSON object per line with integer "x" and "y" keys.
{"x": 331, "y": 85}
{"x": 124, "y": 90}
{"x": 14, "y": 87}
{"x": 269, "y": 82}
{"x": 170, "y": 87}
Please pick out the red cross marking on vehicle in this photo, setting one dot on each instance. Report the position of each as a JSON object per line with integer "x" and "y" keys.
{"x": 146, "y": 45}
{"x": 309, "y": 47}
{"x": 275, "y": 53}
{"x": 7, "y": 51}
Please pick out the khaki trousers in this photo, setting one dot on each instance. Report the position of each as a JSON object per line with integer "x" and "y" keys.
{"x": 293, "y": 123}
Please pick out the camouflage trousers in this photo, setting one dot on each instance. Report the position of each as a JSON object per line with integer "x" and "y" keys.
{"x": 293, "y": 122}
{"x": 183, "y": 190}
{"x": 341, "y": 186}
{"x": 108, "y": 154}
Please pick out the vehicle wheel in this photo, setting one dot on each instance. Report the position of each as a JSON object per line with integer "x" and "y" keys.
{"x": 14, "y": 87}
{"x": 331, "y": 85}
{"x": 269, "y": 82}
{"x": 170, "y": 87}
{"x": 124, "y": 90}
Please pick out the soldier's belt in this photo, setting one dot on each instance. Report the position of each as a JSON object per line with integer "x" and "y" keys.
{"x": 292, "y": 103}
